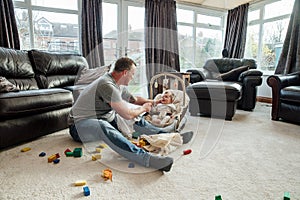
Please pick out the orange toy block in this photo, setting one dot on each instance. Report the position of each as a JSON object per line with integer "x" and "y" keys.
{"x": 107, "y": 174}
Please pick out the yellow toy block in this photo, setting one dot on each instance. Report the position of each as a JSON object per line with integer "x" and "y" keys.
{"x": 96, "y": 157}
{"x": 142, "y": 142}
{"x": 80, "y": 183}
{"x": 25, "y": 149}
{"x": 102, "y": 146}
{"x": 51, "y": 158}
{"x": 98, "y": 150}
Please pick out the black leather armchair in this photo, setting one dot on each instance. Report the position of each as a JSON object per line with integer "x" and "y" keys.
{"x": 285, "y": 97}
{"x": 241, "y": 71}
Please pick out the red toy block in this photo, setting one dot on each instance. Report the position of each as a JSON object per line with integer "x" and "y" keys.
{"x": 186, "y": 152}
{"x": 67, "y": 150}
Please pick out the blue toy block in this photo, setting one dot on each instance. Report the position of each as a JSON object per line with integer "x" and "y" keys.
{"x": 42, "y": 154}
{"x": 56, "y": 161}
{"x": 131, "y": 165}
{"x": 86, "y": 191}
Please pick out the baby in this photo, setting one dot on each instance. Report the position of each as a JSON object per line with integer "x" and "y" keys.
{"x": 163, "y": 110}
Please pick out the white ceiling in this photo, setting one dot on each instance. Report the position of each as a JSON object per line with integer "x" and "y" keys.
{"x": 218, "y": 4}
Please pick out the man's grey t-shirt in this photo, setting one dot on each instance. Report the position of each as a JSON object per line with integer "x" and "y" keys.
{"x": 93, "y": 101}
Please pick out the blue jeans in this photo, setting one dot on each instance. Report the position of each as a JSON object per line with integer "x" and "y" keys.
{"x": 89, "y": 130}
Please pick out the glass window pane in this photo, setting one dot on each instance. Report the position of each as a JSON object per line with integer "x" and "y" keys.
{"x": 23, "y": 27}
{"x": 65, "y": 4}
{"x": 251, "y": 49}
{"x": 135, "y": 46}
{"x": 135, "y": 22}
{"x": 211, "y": 20}
{"x": 253, "y": 15}
{"x": 110, "y": 35}
{"x": 55, "y": 31}
{"x": 276, "y": 9}
{"x": 186, "y": 46}
{"x": 185, "y": 16}
{"x": 110, "y": 20}
{"x": 208, "y": 45}
{"x": 273, "y": 38}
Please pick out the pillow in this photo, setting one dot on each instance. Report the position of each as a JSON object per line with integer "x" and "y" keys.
{"x": 233, "y": 74}
{"x": 6, "y": 86}
{"x": 89, "y": 75}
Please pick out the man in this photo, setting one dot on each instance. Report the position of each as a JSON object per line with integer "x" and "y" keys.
{"x": 94, "y": 119}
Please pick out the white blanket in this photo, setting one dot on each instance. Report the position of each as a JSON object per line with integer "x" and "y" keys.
{"x": 162, "y": 144}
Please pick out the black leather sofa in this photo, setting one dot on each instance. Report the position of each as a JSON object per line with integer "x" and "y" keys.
{"x": 241, "y": 71}
{"x": 42, "y": 98}
{"x": 285, "y": 97}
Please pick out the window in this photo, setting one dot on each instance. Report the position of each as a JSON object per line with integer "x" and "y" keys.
{"x": 267, "y": 27}
{"x": 110, "y": 34}
{"x": 50, "y": 25}
{"x": 200, "y": 34}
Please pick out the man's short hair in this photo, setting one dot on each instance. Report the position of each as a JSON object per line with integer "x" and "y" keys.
{"x": 123, "y": 63}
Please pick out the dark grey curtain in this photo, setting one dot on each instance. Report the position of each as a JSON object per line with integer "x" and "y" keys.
{"x": 289, "y": 60}
{"x": 9, "y": 36}
{"x": 161, "y": 39}
{"x": 91, "y": 32}
{"x": 236, "y": 31}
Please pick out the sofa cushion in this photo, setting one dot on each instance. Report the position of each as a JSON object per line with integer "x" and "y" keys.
{"x": 215, "y": 90}
{"x": 30, "y": 102}
{"x": 16, "y": 67}
{"x": 223, "y": 65}
{"x": 232, "y": 75}
{"x": 86, "y": 76}
{"x": 56, "y": 70}
{"x": 6, "y": 86}
{"x": 290, "y": 94}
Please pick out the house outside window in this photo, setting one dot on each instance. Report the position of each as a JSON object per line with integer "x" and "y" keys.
{"x": 50, "y": 25}
{"x": 200, "y": 35}
{"x": 267, "y": 28}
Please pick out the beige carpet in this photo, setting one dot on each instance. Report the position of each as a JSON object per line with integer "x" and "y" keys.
{"x": 250, "y": 157}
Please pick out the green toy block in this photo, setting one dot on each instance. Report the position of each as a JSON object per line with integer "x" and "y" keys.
{"x": 69, "y": 154}
{"x": 77, "y": 152}
{"x": 218, "y": 197}
{"x": 286, "y": 196}
{"x": 135, "y": 135}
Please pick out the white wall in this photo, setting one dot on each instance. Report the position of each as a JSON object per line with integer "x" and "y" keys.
{"x": 264, "y": 90}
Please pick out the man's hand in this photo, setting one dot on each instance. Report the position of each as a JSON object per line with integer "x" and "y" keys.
{"x": 147, "y": 107}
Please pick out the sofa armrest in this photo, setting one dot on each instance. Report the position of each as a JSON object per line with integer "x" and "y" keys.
{"x": 250, "y": 72}
{"x": 249, "y": 92}
{"x": 197, "y": 75}
{"x": 282, "y": 81}
{"x": 277, "y": 82}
